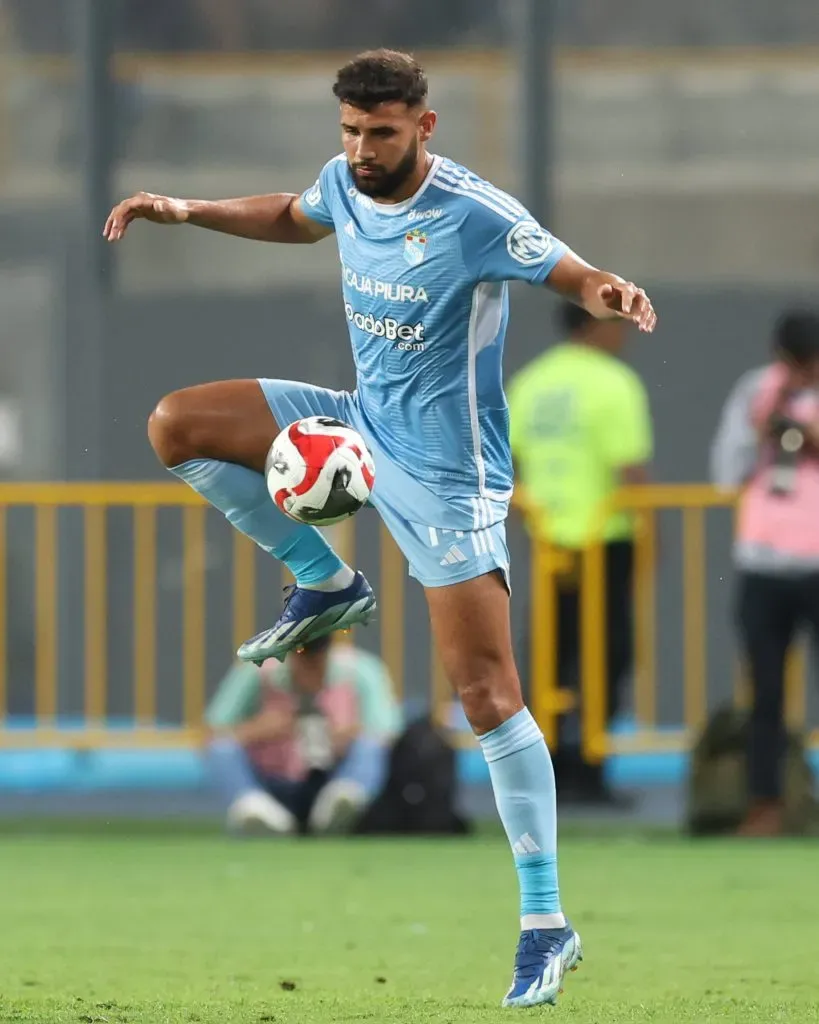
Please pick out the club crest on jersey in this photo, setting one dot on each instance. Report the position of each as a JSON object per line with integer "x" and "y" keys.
{"x": 415, "y": 244}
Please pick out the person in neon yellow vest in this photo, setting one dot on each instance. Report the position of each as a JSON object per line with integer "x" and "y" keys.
{"x": 580, "y": 427}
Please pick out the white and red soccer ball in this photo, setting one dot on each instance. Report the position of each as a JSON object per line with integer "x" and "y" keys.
{"x": 319, "y": 471}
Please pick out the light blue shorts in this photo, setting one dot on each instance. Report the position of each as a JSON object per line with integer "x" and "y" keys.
{"x": 437, "y": 554}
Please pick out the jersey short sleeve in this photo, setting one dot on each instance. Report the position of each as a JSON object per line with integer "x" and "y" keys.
{"x": 505, "y": 241}
{"x": 317, "y": 201}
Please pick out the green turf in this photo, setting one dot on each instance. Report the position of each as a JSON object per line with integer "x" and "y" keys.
{"x": 198, "y": 928}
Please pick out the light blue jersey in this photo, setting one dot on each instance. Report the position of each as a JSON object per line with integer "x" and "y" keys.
{"x": 425, "y": 295}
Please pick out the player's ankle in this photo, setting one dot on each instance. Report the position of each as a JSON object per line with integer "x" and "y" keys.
{"x": 340, "y": 580}
{"x": 530, "y": 922}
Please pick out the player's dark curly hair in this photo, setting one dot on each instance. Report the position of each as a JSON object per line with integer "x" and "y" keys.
{"x": 381, "y": 76}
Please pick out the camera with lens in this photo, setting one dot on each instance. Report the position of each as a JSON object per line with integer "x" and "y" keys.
{"x": 788, "y": 437}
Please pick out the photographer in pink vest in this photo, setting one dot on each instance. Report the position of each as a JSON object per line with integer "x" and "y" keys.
{"x": 767, "y": 444}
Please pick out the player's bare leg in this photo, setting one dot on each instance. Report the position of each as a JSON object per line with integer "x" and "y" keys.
{"x": 228, "y": 420}
{"x": 216, "y": 438}
{"x": 470, "y": 623}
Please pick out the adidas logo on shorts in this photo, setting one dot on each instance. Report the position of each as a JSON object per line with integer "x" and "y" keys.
{"x": 453, "y": 556}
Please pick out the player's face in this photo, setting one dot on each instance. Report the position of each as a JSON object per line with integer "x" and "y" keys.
{"x": 384, "y": 145}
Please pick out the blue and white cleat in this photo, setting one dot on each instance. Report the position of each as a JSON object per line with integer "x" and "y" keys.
{"x": 543, "y": 959}
{"x": 308, "y": 615}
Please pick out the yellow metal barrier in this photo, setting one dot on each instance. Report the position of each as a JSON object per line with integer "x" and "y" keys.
{"x": 692, "y": 501}
{"x": 96, "y": 502}
{"x": 144, "y": 503}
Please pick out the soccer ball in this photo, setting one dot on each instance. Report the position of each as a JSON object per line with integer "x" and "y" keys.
{"x": 319, "y": 471}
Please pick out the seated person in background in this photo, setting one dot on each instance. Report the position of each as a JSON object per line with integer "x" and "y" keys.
{"x": 303, "y": 745}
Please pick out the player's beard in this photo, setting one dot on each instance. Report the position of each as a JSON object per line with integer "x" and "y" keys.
{"x": 383, "y": 183}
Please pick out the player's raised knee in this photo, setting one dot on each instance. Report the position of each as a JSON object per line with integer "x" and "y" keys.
{"x": 170, "y": 430}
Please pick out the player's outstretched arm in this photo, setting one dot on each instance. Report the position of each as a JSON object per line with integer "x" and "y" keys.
{"x": 604, "y": 295}
{"x": 272, "y": 218}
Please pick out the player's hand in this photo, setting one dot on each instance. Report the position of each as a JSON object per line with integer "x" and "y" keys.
{"x": 629, "y": 302}
{"x": 144, "y": 206}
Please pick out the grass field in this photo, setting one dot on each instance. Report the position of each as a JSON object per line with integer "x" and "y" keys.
{"x": 198, "y": 928}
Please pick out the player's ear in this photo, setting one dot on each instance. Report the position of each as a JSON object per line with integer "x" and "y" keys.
{"x": 426, "y": 124}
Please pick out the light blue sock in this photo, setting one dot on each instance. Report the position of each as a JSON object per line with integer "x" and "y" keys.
{"x": 524, "y": 784}
{"x": 241, "y": 495}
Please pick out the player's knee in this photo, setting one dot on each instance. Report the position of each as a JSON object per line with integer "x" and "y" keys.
{"x": 170, "y": 430}
{"x": 489, "y": 696}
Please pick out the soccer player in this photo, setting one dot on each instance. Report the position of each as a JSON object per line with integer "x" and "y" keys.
{"x": 427, "y": 248}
